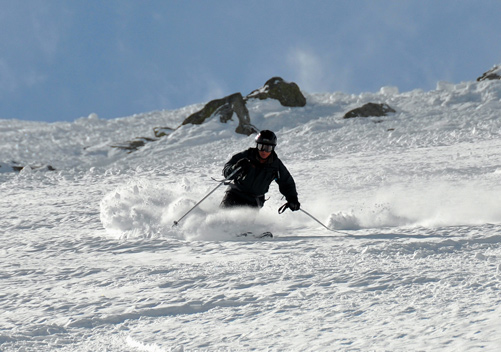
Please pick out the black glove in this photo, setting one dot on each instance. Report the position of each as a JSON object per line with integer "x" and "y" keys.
{"x": 244, "y": 164}
{"x": 293, "y": 204}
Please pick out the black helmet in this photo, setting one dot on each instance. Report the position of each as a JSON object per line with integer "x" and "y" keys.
{"x": 266, "y": 137}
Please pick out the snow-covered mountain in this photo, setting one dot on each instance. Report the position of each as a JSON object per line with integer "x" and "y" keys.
{"x": 90, "y": 260}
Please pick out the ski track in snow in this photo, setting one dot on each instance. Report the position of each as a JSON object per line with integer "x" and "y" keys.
{"x": 91, "y": 262}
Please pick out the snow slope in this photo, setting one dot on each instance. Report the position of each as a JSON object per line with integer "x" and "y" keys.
{"x": 90, "y": 260}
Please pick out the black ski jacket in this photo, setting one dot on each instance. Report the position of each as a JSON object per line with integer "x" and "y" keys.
{"x": 257, "y": 181}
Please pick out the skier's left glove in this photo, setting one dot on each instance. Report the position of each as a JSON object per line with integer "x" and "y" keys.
{"x": 243, "y": 166}
{"x": 293, "y": 204}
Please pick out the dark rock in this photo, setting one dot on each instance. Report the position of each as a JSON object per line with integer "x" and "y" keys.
{"x": 370, "y": 109}
{"x": 225, "y": 108}
{"x": 492, "y": 74}
{"x": 162, "y": 131}
{"x": 210, "y": 108}
{"x": 288, "y": 94}
{"x": 16, "y": 167}
{"x": 131, "y": 146}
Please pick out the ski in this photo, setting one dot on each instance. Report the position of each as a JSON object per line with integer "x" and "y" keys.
{"x": 265, "y": 234}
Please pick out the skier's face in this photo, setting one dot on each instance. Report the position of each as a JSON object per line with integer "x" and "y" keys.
{"x": 264, "y": 150}
{"x": 263, "y": 154}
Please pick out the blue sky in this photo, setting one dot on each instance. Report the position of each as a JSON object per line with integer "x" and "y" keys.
{"x": 64, "y": 59}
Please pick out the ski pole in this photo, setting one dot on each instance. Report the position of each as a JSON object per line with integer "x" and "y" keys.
{"x": 286, "y": 205}
{"x": 204, "y": 198}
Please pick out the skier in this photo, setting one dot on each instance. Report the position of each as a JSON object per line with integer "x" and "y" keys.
{"x": 259, "y": 166}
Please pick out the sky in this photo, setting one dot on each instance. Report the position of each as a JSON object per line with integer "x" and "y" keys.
{"x": 61, "y": 60}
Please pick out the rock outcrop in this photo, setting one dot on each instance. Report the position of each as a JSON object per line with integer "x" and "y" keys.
{"x": 370, "y": 109}
{"x": 224, "y": 109}
{"x": 17, "y": 167}
{"x": 493, "y": 74}
{"x": 162, "y": 131}
{"x": 288, "y": 94}
{"x": 132, "y": 146}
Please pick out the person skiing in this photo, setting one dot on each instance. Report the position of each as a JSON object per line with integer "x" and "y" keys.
{"x": 257, "y": 168}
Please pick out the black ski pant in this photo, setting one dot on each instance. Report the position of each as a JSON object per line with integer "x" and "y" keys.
{"x": 233, "y": 199}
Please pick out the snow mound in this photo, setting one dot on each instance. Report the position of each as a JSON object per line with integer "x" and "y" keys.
{"x": 226, "y": 224}
{"x": 343, "y": 221}
{"x": 142, "y": 210}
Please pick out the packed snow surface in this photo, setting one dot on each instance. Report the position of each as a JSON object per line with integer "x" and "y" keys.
{"x": 90, "y": 260}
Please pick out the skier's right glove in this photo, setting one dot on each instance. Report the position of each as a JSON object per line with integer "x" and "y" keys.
{"x": 293, "y": 204}
{"x": 244, "y": 164}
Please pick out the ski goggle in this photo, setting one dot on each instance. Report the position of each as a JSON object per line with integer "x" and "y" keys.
{"x": 265, "y": 147}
